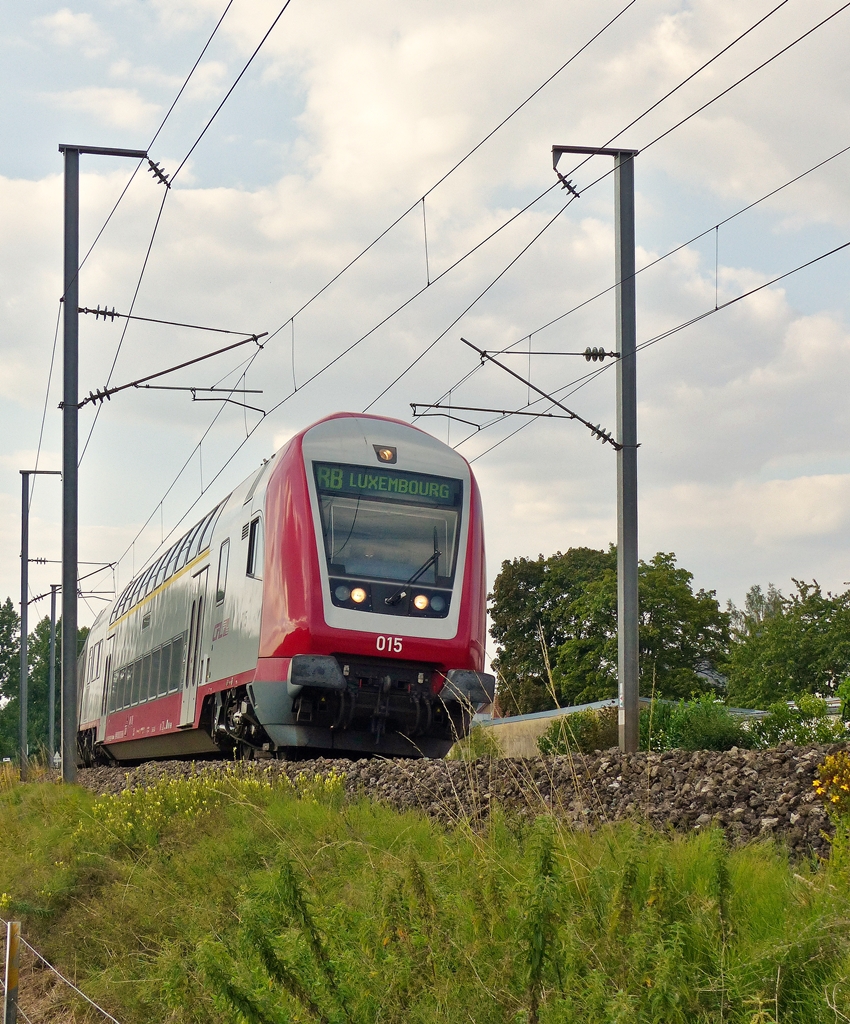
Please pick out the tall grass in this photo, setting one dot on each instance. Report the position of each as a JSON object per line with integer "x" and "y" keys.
{"x": 229, "y": 899}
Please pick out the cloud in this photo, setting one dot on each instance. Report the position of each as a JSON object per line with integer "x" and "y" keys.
{"x": 742, "y": 416}
{"x": 77, "y": 31}
{"x": 121, "y": 108}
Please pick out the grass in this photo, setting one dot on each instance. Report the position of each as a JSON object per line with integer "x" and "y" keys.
{"x": 235, "y": 899}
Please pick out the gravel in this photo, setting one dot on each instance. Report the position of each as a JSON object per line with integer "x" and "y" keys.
{"x": 750, "y": 794}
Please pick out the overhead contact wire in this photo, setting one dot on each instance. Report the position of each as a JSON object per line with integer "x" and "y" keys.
{"x": 681, "y": 327}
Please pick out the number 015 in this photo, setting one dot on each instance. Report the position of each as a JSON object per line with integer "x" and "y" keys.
{"x": 389, "y": 643}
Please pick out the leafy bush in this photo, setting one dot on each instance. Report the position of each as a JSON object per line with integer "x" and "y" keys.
{"x": 479, "y": 743}
{"x": 699, "y": 724}
{"x": 581, "y": 732}
{"x": 704, "y": 723}
{"x": 654, "y": 725}
{"x": 808, "y": 721}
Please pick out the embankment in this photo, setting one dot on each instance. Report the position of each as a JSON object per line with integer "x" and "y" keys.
{"x": 749, "y": 794}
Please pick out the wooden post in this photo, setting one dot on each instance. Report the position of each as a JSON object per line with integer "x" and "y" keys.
{"x": 13, "y": 963}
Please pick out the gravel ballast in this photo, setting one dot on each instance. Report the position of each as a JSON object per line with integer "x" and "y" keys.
{"x": 750, "y": 794}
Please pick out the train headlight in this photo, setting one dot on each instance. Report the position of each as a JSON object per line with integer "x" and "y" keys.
{"x": 358, "y": 595}
{"x": 342, "y": 593}
{"x": 438, "y": 603}
{"x": 421, "y": 602}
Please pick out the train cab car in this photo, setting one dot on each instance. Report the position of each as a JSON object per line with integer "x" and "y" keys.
{"x": 334, "y": 602}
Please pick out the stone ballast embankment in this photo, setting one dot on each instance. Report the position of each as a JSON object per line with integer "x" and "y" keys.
{"x": 750, "y": 794}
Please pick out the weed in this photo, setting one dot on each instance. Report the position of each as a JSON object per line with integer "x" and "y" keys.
{"x": 833, "y": 784}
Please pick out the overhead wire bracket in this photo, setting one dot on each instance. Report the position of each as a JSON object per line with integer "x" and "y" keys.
{"x": 598, "y": 431}
{"x": 107, "y": 393}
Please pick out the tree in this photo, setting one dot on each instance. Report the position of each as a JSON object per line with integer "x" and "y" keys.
{"x": 529, "y": 596}
{"x": 683, "y": 636}
{"x": 10, "y": 674}
{"x": 783, "y": 647}
{"x": 38, "y": 657}
{"x": 572, "y": 600}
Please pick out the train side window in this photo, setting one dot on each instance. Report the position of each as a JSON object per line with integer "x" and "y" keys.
{"x": 164, "y": 668}
{"x": 176, "y": 672}
{"x": 135, "y": 679}
{"x": 105, "y": 696}
{"x": 160, "y": 570}
{"x": 126, "y": 686}
{"x": 171, "y": 564}
{"x": 145, "y": 692}
{"x": 194, "y": 537}
{"x": 255, "y": 549}
{"x": 209, "y": 526}
{"x": 155, "y": 660}
{"x": 112, "y": 704}
{"x": 94, "y": 661}
{"x": 221, "y": 580}
{"x": 185, "y": 544}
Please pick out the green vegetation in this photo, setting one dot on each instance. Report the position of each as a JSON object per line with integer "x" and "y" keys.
{"x": 480, "y": 743}
{"x": 234, "y": 898}
{"x": 783, "y": 647}
{"x": 564, "y": 609}
{"x": 568, "y": 603}
{"x": 703, "y": 723}
{"x": 39, "y": 673}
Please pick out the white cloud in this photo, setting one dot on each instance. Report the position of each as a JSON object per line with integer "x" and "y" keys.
{"x": 77, "y": 31}
{"x": 742, "y": 417}
{"x": 121, "y": 108}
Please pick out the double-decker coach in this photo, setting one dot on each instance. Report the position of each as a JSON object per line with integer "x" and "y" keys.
{"x": 334, "y": 602}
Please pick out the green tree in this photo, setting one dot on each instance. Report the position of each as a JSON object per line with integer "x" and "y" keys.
{"x": 530, "y": 596}
{"x": 38, "y": 657}
{"x": 572, "y": 599}
{"x": 783, "y": 647}
{"x": 10, "y": 653}
{"x": 682, "y": 634}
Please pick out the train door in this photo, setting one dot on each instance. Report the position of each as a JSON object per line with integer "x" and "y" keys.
{"x": 107, "y": 683}
{"x": 193, "y": 674}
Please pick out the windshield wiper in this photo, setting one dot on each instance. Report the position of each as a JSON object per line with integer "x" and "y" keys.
{"x": 401, "y": 593}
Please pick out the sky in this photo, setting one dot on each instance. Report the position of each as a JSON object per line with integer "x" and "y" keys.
{"x": 346, "y": 118}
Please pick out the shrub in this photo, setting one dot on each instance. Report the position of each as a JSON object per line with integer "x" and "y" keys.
{"x": 705, "y": 724}
{"x": 808, "y": 721}
{"x": 581, "y": 732}
{"x": 480, "y": 742}
{"x": 654, "y": 725}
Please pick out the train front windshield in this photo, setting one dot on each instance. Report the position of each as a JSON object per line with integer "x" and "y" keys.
{"x": 383, "y": 524}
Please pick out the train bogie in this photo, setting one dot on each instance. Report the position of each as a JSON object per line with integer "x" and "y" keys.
{"x": 335, "y": 601}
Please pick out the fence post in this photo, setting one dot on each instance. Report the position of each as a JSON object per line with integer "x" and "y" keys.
{"x": 13, "y": 962}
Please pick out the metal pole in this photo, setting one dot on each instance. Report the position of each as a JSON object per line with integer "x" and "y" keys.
{"x": 627, "y": 520}
{"x": 70, "y": 411}
{"x": 51, "y": 683}
{"x": 25, "y": 559}
{"x": 13, "y": 961}
{"x": 70, "y": 324}
{"x": 627, "y": 508}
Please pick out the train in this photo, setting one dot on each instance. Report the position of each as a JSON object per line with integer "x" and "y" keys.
{"x": 333, "y": 604}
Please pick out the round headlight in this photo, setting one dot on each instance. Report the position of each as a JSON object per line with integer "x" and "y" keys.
{"x": 438, "y": 603}
{"x": 358, "y": 595}
{"x": 420, "y": 602}
{"x": 342, "y": 593}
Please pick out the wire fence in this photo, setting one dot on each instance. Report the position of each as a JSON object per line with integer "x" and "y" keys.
{"x": 56, "y": 972}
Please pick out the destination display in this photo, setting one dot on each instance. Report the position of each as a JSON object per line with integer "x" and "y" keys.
{"x": 335, "y": 478}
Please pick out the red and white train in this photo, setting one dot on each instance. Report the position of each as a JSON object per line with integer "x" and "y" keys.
{"x": 333, "y": 602}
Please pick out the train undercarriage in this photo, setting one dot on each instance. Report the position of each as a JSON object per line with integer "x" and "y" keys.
{"x": 329, "y": 706}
